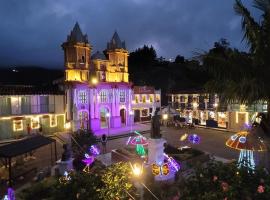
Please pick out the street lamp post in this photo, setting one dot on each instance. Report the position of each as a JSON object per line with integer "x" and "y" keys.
{"x": 137, "y": 170}
{"x": 131, "y": 113}
{"x": 108, "y": 122}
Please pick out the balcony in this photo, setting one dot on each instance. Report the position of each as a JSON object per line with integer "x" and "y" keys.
{"x": 27, "y": 109}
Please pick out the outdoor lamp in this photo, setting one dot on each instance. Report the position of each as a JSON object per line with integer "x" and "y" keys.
{"x": 67, "y": 125}
{"x": 215, "y": 105}
{"x": 94, "y": 81}
{"x": 195, "y": 105}
{"x": 137, "y": 169}
{"x": 165, "y": 116}
{"x": 131, "y": 112}
{"x": 108, "y": 114}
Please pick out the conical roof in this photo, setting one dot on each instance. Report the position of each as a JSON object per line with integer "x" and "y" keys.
{"x": 76, "y": 35}
{"x": 116, "y": 42}
{"x": 246, "y": 140}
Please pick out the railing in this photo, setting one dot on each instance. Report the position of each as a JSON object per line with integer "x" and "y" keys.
{"x": 27, "y": 109}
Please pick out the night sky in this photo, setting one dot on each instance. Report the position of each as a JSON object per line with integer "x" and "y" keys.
{"x": 32, "y": 31}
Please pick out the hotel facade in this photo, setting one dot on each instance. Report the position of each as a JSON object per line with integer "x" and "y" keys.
{"x": 207, "y": 110}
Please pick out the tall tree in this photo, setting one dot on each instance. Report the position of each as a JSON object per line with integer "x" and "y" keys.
{"x": 239, "y": 76}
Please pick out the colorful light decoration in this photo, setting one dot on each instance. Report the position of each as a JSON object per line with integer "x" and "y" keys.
{"x": 88, "y": 160}
{"x": 172, "y": 162}
{"x": 128, "y": 140}
{"x": 10, "y": 194}
{"x": 137, "y": 169}
{"x": 163, "y": 169}
{"x": 246, "y": 159}
{"x": 183, "y": 137}
{"x": 194, "y": 139}
{"x": 247, "y": 143}
{"x": 65, "y": 179}
{"x": 94, "y": 150}
{"x": 139, "y": 141}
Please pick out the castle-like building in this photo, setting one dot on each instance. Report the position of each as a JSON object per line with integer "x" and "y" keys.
{"x": 98, "y": 93}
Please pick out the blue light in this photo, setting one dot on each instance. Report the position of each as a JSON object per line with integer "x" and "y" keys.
{"x": 194, "y": 139}
{"x": 242, "y": 139}
{"x": 233, "y": 137}
{"x": 246, "y": 160}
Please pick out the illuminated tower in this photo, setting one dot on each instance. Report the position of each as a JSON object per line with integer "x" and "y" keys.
{"x": 117, "y": 54}
{"x": 77, "y": 55}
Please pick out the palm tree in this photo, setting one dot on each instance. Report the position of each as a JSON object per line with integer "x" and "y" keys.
{"x": 244, "y": 77}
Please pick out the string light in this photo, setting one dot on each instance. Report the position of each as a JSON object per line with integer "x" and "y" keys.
{"x": 94, "y": 150}
{"x": 65, "y": 179}
{"x": 194, "y": 139}
{"x": 88, "y": 160}
{"x": 172, "y": 162}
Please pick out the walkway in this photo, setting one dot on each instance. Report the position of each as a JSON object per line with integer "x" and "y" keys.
{"x": 122, "y": 130}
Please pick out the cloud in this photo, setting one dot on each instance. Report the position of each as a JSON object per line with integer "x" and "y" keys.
{"x": 32, "y": 31}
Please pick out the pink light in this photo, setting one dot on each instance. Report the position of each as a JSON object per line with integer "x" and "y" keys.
{"x": 128, "y": 140}
{"x": 88, "y": 159}
{"x": 139, "y": 140}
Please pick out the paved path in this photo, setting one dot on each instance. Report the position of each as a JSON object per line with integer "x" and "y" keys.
{"x": 212, "y": 141}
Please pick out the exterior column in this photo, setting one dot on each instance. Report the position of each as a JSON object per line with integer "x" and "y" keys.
{"x": 92, "y": 104}
{"x": 113, "y": 102}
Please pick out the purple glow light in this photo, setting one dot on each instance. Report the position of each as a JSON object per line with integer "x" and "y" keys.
{"x": 139, "y": 140}
{"x": 194, "y": 139}
{"x": 94, "y": 150}
{"x": 172, "y": 162}
{"x": 88, "y": 159}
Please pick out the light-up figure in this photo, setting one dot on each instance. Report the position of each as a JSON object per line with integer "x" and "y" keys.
{"x": 65, "y": 179}
{"x": 10, "y": 194}
{"x": 88, "y": 161}
{"x": 139, "y": 141}
{"x": 94, "y": 150}
{"x": 172, "y": 163}
{"x": 194, "y": 139}
{"x": 247, "y": 143}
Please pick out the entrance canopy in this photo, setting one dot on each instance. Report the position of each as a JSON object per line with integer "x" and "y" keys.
{"x": 23, "y": 146}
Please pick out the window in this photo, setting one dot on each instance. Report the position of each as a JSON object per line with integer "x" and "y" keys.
{"x": 17, "y": 125}
{"x": 136, "y": 99}
{"x": 5, "y": 106}
{"x": 122, "y": 96}
{"x": 53, "y": 121}
{"x": 144, "y": 112}
{"x": 35, "y": 123}
{"x": 151, "y": 98}
{"x": 26, "y": 105}
{"x": 44, "y": 104}
{"x": 144, "y": 99}
{"x": 103, "y": 96}
{"x": 82, "y": 97}
{"x": 157, "y": 98}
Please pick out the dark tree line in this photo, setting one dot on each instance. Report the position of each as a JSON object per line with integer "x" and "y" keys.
{"x": 146, "y": 68}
